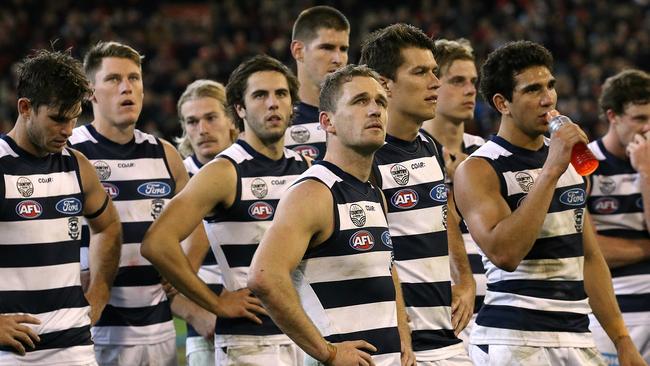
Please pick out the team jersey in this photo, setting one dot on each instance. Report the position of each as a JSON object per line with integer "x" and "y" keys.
{"x": 305, "y": 135}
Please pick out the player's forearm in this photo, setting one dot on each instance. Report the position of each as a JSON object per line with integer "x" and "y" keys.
{"x": 104, "y": 259}
{"x": 461, "y": 271}
{"x": 281, "y": 301}
{"x": 623, "y": 251}
{"x": 402, "y": 317}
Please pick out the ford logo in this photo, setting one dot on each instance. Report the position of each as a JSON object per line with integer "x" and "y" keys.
{"x": 154, "y": 189}
{"x": 69, "y": 206}
{"x": 573, "y": 197}
{"x": 439, "y": 193}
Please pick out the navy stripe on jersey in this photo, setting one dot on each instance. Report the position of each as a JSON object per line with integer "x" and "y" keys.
{"x": 62, "y": 339}
{"x": 557, "y": 247}
{"x": 117, "y": 316}
{"x": 352, "y": 292}
{"x": 421, "y": 246}
{"x": 420, "y": 294}
{"x": 42, "y": 301}
{"x": 382, "y": 339}
{"x": 633, "y": 303}
{"x": 305, "y": 135}
{"x": 511, "y": 317}
{"x": 560, "y": 290}
{"x": 242, "y": 326}
{"x": 37, "y": 255}
{"x": 137, "y": 276}
{"x": 422, "y": 339}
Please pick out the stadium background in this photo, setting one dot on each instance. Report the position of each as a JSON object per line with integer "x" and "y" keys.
{"x": 183, "y": 41}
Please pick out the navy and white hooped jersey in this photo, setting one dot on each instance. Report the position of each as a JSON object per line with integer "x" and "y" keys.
{"x": 345, "y": 283}
{"x": 40, "y": 230}
{"x": 137, "y": 177}
{"x": 235, "y": 233}
{"x": 412, "y": 177}
{"x": 209, "y": 271}
{"x": 305, "y": 135}
{"x": 542, "y": 303}
{"x": 470, "y": 144}
{"x": 616, "y": 206}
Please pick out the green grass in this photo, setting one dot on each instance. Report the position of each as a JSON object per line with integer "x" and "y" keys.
{"x": 181, "y": 332}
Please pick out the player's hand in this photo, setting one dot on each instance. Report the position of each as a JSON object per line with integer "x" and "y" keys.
{"x": 628, "y": 355}
{"x": 462, "y": 306}
{"x": 562, "y": 142}
{"x": 452, "y": 161}
{"x": 407, "y": 355}
{"x": 15, "y": 334}
{"x": 240, "y": 304}
{"x": 203, "y": 322}
{"x": 639, "y": 152}
{"x": 352, "y": 353}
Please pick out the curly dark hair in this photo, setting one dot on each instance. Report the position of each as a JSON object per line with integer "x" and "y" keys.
{"x": 629, "y": 86}
{"x": 503, "y": 64}
{"x": 238, "y": 82}
{"x": 54, "y": 79}
{"x": 382, "y": 49}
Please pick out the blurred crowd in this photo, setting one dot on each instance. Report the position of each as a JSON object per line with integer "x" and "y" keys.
{"x": 590, "y": 40}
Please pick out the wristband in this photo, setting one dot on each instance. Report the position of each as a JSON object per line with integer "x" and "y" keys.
{"x": 332, "y": 353}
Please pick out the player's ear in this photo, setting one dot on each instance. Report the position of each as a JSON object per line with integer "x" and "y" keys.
{"x": 326, "y": 122}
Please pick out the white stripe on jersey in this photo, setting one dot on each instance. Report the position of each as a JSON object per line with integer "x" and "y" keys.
{"x": 40, "y": 278}
{"x": 34, "y": 231}
{"x": 431, "y": 317}
{"x": 351, "y": 319}
{"x": 488, "y": 335}
{"x": 73, "y": 356}
{"x": 210, "y": 274}
{"x": 136, "y": 210}
{"x": 317, "y": 269}
{"x": 58, "y": 184}
{"x": 563, "y": 269}
{"x": 537, "y": 303}
{"x": 426, "y": 175}
{"x": 81, "y": 134}
{"x": 569, "y": 178}
{"x": 324, "y": 175}
{"x": 190, "y": 165}
{"x": 373, "y": 212}
{"x": 276, "y": 186}
{"x": 625, "y": 221}
{"x": 141, "y": 137}
{"x": 148, "y": 334}
{"x": 148, "y": 169}
{"x": 414, "y": 222}
{"x": 233, "y": 232}
{"x": 137, "y": 296}
{"x": 5, "y": 149}
{"x": 423, "y": 270}
{"x": 558, "y": 224}
{"x": 316, "y": 134}
{"x": 632, "y": 285}
{"x": 130, "y": 256}
{"x": 624, "y": 184}
{"x": 61, "y": 319}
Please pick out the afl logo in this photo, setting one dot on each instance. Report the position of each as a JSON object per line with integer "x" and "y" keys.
{"x": 362, "y": 241}
{"x": 260, "y": 210}
{"x": 111, "y": 189}
{"x": 524, "y": 180}
{"x": 400, "y": 174}
{"x": 29, "y": 209}
{"x": 386, "y": 239}
{"x": 69, "y": 206}
{"x": 357, "y": 215}
{"x": 573, "y": 197}
{"x": 605, "y": 205}
{"x": 25, "y": 186}
{"x": 259, "y": 188}
{"x": 103, "y": 169}
{"x": 439, "y": 193}
{"x": 154, "y": 189}
{"x": 306, "y": 150}
{"x": 607, "y": 185}
{"x": 405, "y": 199}
{"x": 299, "y": 134}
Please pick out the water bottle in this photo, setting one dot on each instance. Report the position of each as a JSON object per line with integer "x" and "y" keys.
{"x": 582, "y": 158}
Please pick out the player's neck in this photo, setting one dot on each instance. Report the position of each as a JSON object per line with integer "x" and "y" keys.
{"x": 20, "y": 137}
{"x": 404, "y": 127}
{"x": 509, "y": 131}
{"x": 448, "y": 133}
{"x": 273, "y": 150}
{"x": 613, "y": 145}
{"x": 118, "y": 133}
{"x": 308, "y": 92}
{"x": 350, "y": 161}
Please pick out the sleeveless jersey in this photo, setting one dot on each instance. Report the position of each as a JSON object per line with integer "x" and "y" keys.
{"x": 235, "y": 233}
{"x": 40, "y": 212}
{"x": 138, "y": 179}
{"x": 345, "y": 284}
{"x": 542, "y": 303}
{"x": 305, "y": 136}
{"x": 412, "y": 177}
{"x": 616, "y": 206}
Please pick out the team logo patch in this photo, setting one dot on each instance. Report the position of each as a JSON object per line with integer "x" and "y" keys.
{"x": 299, "y": 134}
{"x": 157, "y": 206}
{"x": 25, "y": 187}
{"x": 103, "y": 169}
{"x": 357, "y": 215}
{"x": 400, "y": 174}
{"x": 362, "y": 241}
{"x": 68, "y": 206}
{"x": 525, "y": 181}
{"x": 306, "y": 150}
{"x": 260, "y": 210}
{"x": 578, "y": 214}
{"x": 607, "y": 185}
{"x": 386, "y": 239}
{"x": 405, "y": 199}
{"x": 259, "y": 188}
{"x": 439, "y": 193}
{"x": 111, "y": 189}
{"x": 29, "y": 209}
{"x": 605, "y": 205}
{"x": 573, "y": 197}
{"x": 154, "y": 189}
{"x": 73, "y": 228}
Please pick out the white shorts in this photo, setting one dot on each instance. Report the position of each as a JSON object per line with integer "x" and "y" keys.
{"x": 457, "y": 360}
{"x": 640, "y": 335}
{"x": 501, "y": 355}
{"x": 259, "y": 355}
{"x": 199, "y": 351}
{"x": 158, "y": 354}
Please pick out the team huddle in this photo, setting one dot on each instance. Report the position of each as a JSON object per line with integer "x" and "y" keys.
{"x": 339, "y": 216}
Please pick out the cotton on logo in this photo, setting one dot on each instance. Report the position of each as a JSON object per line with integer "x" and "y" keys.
{"x": 362, "y": 241}
{"x": 404, "y": 199}
{"x": 260, "y": 210}
{"x": 29, "y": 209}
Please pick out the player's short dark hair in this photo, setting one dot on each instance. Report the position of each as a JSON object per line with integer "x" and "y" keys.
{"x": 332, "y": 86}
{"x": 503, "y": 64}
{"x": 311, "y": 20}
{"x": 382, "y": 49}
{"x": 629, "y": 86}
{"x": 54, "y": 79}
